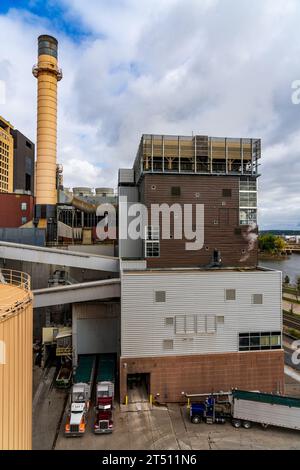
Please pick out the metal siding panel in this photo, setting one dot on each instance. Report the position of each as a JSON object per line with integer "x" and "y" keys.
{"x": 16, "y": 376}
{"x": 275, "y": 415}
{"x": 97, "y": 328}
{"x": 199, "y": 293}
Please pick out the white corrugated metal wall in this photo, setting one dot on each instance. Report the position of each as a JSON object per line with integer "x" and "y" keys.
{"x": 199, "y": 293}
{"x": 96, "y": 328}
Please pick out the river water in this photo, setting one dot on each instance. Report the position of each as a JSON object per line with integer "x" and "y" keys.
{"x": 289, "y": 266}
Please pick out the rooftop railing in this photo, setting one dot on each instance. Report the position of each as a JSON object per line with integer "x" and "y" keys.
{"x": 197, "y": 154}
{"x": 15, "y": 278}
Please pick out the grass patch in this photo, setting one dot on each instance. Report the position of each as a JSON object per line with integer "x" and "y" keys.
{"x": 290, "y": 313}
{"x": 292, "y": 332}
{"x": 289, "y": 290}
{"x": 293, "y": 301}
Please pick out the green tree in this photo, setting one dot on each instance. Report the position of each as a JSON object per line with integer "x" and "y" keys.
{"x": 279, "y": 244}
{"x": 270, "y": 243}
{"x": 286, "y": 279}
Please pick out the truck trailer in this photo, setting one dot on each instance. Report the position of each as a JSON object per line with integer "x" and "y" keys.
{"x": 63, "y": 379}
{"x": 243, "y": 408}
{"x": 80, "y": 396}
{"x": 266, "y": 409}
{"x": 105, "y": 389}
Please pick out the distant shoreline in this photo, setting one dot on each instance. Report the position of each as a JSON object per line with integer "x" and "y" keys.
{"x": 272, "y": 257}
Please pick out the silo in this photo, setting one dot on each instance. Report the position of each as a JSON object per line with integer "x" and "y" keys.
{"x": 82, "y": 191}
{"x": 15, "y": 361}
{"x": 104, "y": 192}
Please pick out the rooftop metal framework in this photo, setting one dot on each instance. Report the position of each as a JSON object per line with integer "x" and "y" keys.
{"x": 197, "y": 154}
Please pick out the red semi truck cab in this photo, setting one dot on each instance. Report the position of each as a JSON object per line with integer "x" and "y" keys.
{"x": 104, "y": 406}
{"x": 103, "y": 422}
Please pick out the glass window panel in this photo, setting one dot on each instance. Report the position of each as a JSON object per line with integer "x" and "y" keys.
{"x": 210, "y": 323}
{"x": 180, "y": 324}
{"x": 201, "y": 324}
{"x": 190, "y": 324}
{"x": 275, "y": 340}
{"x": 254, "y": 341}
{"x": 244, "y": 342}
{"x": 265, "y": 341}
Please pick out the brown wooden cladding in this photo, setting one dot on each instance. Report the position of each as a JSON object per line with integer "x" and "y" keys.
{"x": 226, "y": 236}
{"x": 172, "y": 375}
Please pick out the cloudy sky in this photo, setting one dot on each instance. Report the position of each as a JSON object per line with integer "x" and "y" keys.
{"x": 216, "y": 67}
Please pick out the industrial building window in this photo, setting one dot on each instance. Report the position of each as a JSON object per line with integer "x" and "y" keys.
{"x": 152, "y": 244}
{"x": 220, "y": 320}
{"x": 152, "y": 232}
{"x": 259, "y": 341}
{"x": 175, "y": 191}
{"x": 190, "y": 324}
{"x": 169, "y": 321}
{"x": 257, "y": 299}
{"x": 152, "y": 250}
{"x": 160, "y": 296}
{"x": 206, "y": 324}
{"x": 185, "y": 324}
{"x": 230, "y": 294}
{"x": 248, "y": 202}
{"x": 27, "y": 182}
{"x": 180, "y": 324}
{"x": 226, "y": 192}
{"x": 28, "y": 144}
{"x": 23, "y": 220}
{"x": 201, "y": 324}
{"x": 210, "y": 323}
{"x": 24, "y": 206}
{"x": 168, "y": 344}
{"x": 248, "y": 216}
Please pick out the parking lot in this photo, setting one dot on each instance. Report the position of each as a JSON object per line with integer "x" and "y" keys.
{"x": 169, "y": 428}
{"x": 161, "y": 428}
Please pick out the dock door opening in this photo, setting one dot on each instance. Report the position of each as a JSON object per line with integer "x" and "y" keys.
{"x": 138, "y": 386}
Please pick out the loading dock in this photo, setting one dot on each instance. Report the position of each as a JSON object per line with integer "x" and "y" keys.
{"x": 138, "y": 387}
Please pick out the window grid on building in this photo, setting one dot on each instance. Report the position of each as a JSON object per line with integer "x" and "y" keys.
{"x": 258, "y": 341}
{"x": 6, "y": 161}
{"x": 152, "y": 243}
{"x": 257, "y": 299}
{"x": 168, "y": 344}
{"x": 160, "y": 296}
{"x": 248, "y": 202}
{"x": 230, "y": 294}
{"x": 193, "y": 324}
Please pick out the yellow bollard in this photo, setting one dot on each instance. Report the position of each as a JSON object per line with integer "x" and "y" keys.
{"x": 151, "y": 399}
{"x": 126, "y": 399}
{"x": 188, "y": 403}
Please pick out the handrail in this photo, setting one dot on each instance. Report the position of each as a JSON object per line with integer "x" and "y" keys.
{"x": 15, "y": 278}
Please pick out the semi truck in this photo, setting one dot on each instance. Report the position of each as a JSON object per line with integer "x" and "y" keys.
{"x": 243, "y": 408}
{"x": 105, "y": 389}
{"x": 80, "y": 396}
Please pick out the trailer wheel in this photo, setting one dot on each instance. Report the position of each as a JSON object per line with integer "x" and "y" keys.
{"x": 236, "y": 423}
{"x": 196, "y": 419}
{"x": 246, "y": 424}
{"x": 264, "y": 425}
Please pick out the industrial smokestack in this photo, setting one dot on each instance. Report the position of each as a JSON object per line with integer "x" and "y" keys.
{"x": 48, "y": 74}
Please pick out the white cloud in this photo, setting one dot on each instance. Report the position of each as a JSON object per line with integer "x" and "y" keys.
{"x": 219, "y": 67}
{"x": 82, "y": 173}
